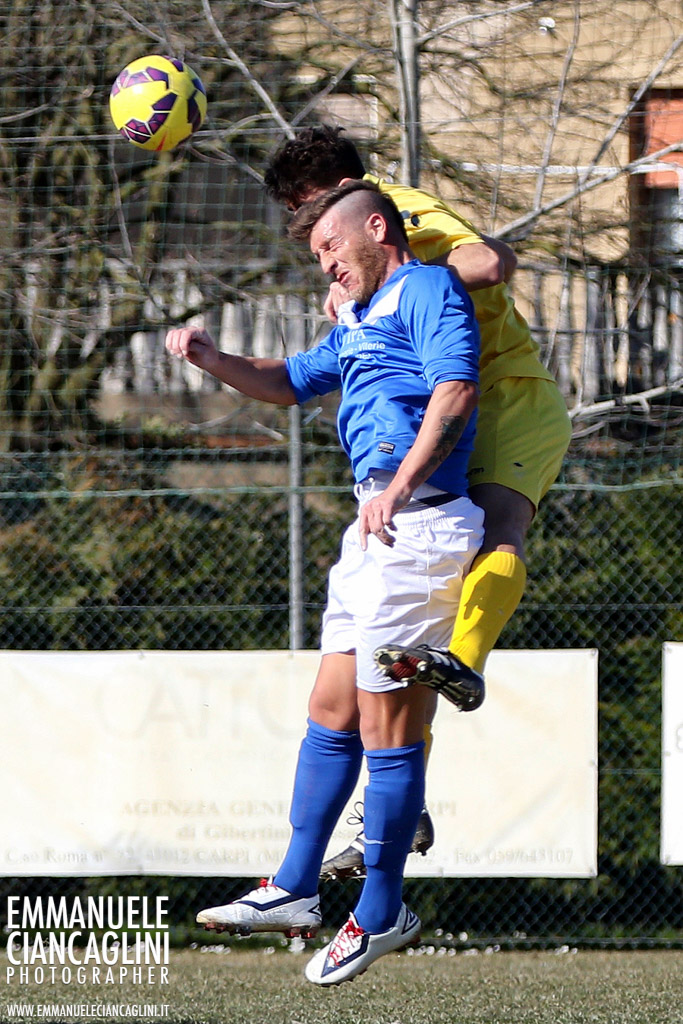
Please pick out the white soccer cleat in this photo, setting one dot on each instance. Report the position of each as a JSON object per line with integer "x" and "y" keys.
{"x": 265, "y": 909}
{"x": 352, "y": 950}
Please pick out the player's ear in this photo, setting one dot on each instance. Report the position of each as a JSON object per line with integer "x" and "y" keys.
{"x": 343, "y": 181}
{"x": 376, "y": 225}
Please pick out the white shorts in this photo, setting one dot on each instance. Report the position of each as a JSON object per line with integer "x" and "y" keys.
{"x": 406, "y": 594}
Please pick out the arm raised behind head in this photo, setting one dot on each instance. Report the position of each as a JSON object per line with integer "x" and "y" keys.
{"x": 477, "y": 265}
{"x": 266, "y": 380}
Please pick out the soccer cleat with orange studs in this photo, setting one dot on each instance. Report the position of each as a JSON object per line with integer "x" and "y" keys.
{"x": 440, "y": 670}
{"x": 267, "y": 908}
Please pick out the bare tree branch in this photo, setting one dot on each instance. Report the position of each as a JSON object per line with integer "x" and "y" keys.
{"x": 513, "y": 229}
{"x": 239, "y": 63}
{"x": 499, "y": 12}
{"x": 403, "y": 14}
{"x": 335, "y": 32}
{"x": 609, "y": 405}
{"x": 557, "y": 106}
{"x": 22, "y": 114}
{"x": 635, "y": 99}
{"x": 329, "y": 88}
{"x": 138, "y": 25}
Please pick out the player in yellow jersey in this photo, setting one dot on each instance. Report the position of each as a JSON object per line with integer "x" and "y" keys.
{"x": 522, "y": 435}
{"x": 523, "y": 427}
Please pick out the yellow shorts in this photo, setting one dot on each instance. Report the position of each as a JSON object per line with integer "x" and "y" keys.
{"x": 523, "y": 432}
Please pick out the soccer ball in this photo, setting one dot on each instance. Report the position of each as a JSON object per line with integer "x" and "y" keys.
{"x": 157, "y": 102}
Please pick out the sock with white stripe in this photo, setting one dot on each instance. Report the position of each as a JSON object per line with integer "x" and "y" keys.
{"x": 394, "y": 798}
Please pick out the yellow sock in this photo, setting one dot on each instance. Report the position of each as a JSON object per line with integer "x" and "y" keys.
{"x": 492, "y": 590}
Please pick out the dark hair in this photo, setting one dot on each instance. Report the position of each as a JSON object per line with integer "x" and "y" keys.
{"x": 308, "y": 215}
{"x": 316, "y": 158}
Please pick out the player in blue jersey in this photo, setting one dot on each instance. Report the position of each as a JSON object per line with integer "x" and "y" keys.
{"x": 405, "y": 357}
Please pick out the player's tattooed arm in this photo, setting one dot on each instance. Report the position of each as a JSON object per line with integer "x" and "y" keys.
{"x": 449, "y": 435}
{"x": 450, "y": 407}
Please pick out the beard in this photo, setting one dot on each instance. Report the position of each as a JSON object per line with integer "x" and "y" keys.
{"x": 371, "y": 263}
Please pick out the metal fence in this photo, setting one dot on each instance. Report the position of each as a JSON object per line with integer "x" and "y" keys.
{"x": 605, "y": 330}
{"x": 142, "y": 506}
{"x": 197, "y": 547}
{"x": 185, "y": 518}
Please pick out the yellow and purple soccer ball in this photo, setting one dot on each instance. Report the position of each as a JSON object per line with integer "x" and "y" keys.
{"x": 157, "y": 102}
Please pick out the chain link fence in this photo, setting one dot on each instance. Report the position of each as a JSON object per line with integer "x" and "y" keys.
{"x": 142, "y": 507}
{"x": 174, "y": 548}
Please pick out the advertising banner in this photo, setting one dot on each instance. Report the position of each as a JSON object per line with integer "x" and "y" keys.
{"x": 672, "y": 754}
{"x": 174, "y": 763}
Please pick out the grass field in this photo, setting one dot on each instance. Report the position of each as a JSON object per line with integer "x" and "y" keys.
{"x": 260, "y": 987}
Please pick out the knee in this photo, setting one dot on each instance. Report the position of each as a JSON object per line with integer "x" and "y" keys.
{"x": 507, "y": 518}
{"x": 337, "y": 712}
{"x": 372, "y": 734}
{"x": 503, "y": 538}
{"x": 394, "y": 718}
{"x": 333, "y": 701}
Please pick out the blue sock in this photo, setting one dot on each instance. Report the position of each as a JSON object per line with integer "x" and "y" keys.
{"x": 326, "y": 774}
{"x": 394, "y": 798}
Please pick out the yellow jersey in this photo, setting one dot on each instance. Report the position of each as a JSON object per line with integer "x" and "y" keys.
{"x": 433, "y": 229}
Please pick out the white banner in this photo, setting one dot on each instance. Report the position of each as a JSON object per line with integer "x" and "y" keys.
{"x": 672, "y": 754}
{"x": 182, "y": 763}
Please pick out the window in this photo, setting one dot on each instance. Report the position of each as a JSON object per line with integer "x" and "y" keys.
{"x": 657, "y": 194}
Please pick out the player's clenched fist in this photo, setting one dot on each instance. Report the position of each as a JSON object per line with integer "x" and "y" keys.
{"x": 336, "y": 297}
{"x": 194, "y": 344}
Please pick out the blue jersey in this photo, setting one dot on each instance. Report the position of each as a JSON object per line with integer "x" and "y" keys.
{"x": 418, "y": 331}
